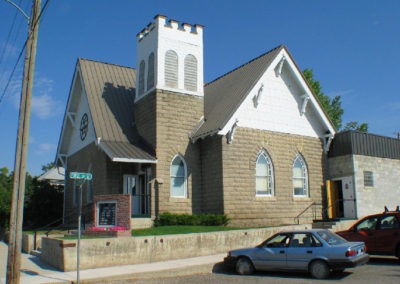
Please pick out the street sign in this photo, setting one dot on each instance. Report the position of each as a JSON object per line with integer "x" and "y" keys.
{"x": 76, "y": 175}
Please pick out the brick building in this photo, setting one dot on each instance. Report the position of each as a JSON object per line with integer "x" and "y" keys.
{"x": 251, "y": 144}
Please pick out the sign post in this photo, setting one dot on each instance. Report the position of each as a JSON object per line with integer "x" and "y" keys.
{"x": 82, "y": 177}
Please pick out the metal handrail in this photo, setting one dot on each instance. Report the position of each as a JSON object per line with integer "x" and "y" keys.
{"x": 312, "y": 205}
{"x": 58, "y": 227}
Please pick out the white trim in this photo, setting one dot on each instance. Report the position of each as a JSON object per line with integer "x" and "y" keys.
{"x": 265, "y": 154}
{"x": 185, "y": 185}
{"x": 130, "y": 160}
{"x": 308, "y": 92}
{"x": 279, "y": 66}
{"x": 122, "y": 159}
{"x": 230, "y": 135}
{"x": 284, "y": 58}
{"x": 305, "y": 98}
{"x": 98, "y": 212}
{"x": 304, "y": 168}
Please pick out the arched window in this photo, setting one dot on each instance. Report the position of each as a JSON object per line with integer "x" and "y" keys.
{"x": 150, "y": 72}
{"x": 190, "y": 73}
{"x": 178, "y": 177}
{"x": 264, "y": 175}
{"x": 300, "y": 177}
{"x": 171, "y": 69}
{"x": 141, "y": 77}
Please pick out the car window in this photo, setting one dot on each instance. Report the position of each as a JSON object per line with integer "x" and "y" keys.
{"x": 389, "y": 222}
{"x": 280, "y": 240}
{"x": 367, "y": 224}
{"x": 304, "y": 240}
{"x": 331, "y": 238}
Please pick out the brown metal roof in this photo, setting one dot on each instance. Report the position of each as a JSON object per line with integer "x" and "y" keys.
{"x": 110, "y": 91}
{"x": 126, "y": 152}
{"x": 224, "y": 95}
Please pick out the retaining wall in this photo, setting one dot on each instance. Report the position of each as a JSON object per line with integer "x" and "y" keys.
{"x": 104, "y": 252}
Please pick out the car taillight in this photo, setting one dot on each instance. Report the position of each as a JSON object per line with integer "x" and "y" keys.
{"x": 351, "y": 252}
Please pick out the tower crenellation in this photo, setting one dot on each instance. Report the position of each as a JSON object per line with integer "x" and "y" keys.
{"x": 170, "y": 57}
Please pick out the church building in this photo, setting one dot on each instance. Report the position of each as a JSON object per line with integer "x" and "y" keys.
{"x": 251, "y": 144}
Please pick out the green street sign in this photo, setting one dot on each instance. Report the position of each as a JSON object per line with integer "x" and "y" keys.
{"x": 76, "y": 175}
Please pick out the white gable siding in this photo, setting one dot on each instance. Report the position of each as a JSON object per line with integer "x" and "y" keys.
{"x": 76, "y": 143}
{"x": 279, "y": 107}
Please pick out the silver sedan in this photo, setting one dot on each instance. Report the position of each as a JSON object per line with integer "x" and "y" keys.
{"x": 317, "y": 251}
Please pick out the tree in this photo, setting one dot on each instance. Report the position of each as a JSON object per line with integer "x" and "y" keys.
{"x": 5, "y": 196}
{"x": 332, "y": 107}
{"x": 42, "y": 205}
{"x": 48, "y": 166}
{"x": 354, "y": 125}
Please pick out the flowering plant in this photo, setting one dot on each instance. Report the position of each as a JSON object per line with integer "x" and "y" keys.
{"x": 115, "y": 228}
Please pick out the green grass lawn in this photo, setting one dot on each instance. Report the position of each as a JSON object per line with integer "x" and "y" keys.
{"x": 162, "y": 230}
{"x": 171, "y": 230}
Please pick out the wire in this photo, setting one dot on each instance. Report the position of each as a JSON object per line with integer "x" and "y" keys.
{"x": 13, "y": 71}
{"x": 8, "y": 36}
{"x": 22, "y": 51}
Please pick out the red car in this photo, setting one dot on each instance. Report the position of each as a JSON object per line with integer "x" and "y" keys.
{"x": 379, "y": 232}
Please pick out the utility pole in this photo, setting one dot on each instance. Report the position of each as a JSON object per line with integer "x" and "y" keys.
{"x": 17, "y": 202}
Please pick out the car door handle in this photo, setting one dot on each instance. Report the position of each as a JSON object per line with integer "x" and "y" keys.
{"x": 282, "y": 251}
{"x": 309, "y": 251}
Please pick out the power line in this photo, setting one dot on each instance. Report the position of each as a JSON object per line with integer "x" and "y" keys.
{"x": 8, "y": 36}
{"x": 12, "y": 73}
{"x": 23, "y": 48}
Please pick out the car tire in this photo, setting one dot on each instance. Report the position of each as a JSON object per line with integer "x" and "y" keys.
{"x": 244, "y": 266}
{"x": 397, "y": 252}
{"x": 319, "y": 269}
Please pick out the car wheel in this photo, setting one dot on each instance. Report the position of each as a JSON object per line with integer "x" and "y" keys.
{"x": 397, "y": 252}
{"x": 244, "y": 266}
{"x": 319, "y": 269}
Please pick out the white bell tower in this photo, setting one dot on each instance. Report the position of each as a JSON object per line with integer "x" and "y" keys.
{"x": 170, "y": 57}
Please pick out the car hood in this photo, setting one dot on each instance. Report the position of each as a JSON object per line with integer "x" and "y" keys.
{"x": 243, "y": 251}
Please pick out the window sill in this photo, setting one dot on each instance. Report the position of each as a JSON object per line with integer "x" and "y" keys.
{"x": 301, "y": 198}
{"x": 266, "y": 197}
{"x": 179, "y": 199}
{"x": 369, "y": 187}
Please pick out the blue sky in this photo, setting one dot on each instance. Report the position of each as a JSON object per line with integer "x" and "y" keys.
{"x": 352, "y": 46}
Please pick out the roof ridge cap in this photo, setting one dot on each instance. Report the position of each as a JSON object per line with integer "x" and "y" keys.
{"x": 281, "y": 46}
{"x": 103, "y": 62}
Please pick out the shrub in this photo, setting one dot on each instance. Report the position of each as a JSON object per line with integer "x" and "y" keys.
{"x": 171, "y": 219}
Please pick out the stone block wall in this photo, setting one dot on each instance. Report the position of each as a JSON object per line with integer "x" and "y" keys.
{"x": 239, "y": 161}
{"x": 177, "y": 114}
{"x": 212, "y": 182}
{"x": 386, "y": 189}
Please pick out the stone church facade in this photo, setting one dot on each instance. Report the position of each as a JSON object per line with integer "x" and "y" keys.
{"x": 252, "y": 144}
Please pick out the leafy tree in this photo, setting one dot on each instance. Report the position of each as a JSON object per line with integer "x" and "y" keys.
{"x": 43, "y": 202}
{"x": 333, "y": 107}
{"x": 5, "y": 196}
{"x": 354, "y": 125}
{"x": 48, "y": 166}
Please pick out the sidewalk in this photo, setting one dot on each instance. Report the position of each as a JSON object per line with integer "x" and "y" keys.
{"x": 33, "y": 270}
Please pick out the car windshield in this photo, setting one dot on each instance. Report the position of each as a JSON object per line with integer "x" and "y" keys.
{"x": 331, "y": 238}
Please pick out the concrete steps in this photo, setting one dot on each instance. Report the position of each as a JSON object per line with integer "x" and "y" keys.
{"x": 335, "y": 226}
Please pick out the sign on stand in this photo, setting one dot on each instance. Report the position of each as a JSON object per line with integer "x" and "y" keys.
{"x": 84, "y": 177}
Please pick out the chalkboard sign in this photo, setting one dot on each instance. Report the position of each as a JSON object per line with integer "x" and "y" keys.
{"x": 107, "y": 216}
